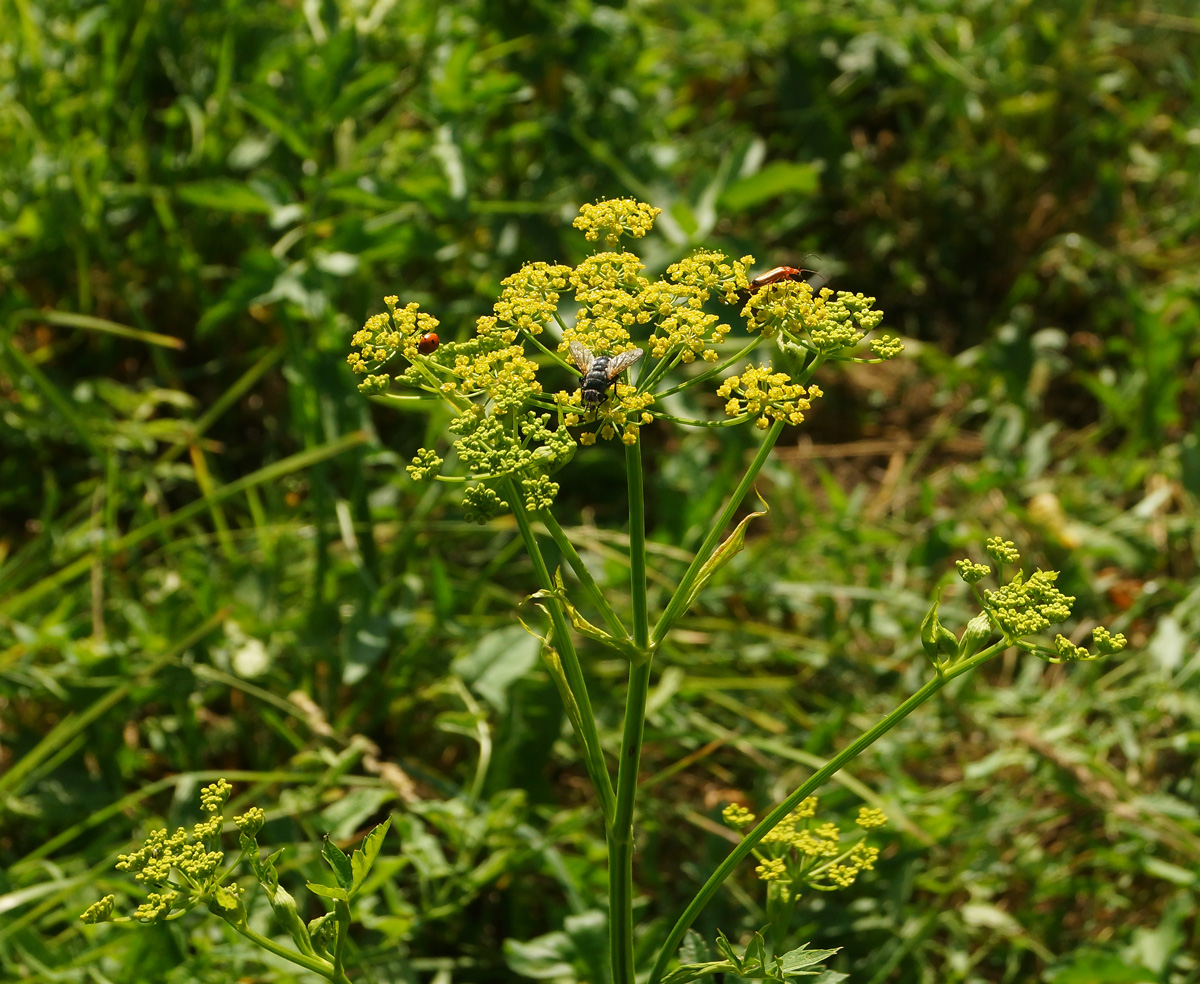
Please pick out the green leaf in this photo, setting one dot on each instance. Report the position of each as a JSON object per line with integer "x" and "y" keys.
{"x": 224, "y": 195}
{"x": 498, "y": 660}
{"x": 755, "y": 965}
{"x": 726, "y": 950}
{"x": 363, "y": 859}
{"x": 756, "y": 952}
{"x": 328, "y": 892}
{"x": 776, "y": 179}
{"x": 796, "y": 960}
{"x": 336, "y": 857}
{"x": 732, "y": 545}
{"x": 541, "y": 958}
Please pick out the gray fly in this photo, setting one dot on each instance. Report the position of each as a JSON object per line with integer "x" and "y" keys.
{"x": 599, "y": 371}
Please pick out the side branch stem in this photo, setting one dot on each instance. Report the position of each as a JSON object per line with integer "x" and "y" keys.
{"x": 807, "y": 788}
{"x": 677, "y": 604}
{"x": 592, "y": 750}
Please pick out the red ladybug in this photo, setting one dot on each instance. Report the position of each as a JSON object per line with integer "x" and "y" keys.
{"x": 428, "y": 343}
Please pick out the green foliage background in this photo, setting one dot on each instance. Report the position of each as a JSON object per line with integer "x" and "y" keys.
{"x": 212, "y": 562}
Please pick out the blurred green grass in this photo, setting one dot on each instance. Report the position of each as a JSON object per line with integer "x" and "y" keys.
{"x": 200, "y": 517}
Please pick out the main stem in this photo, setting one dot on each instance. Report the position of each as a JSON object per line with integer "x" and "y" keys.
{"x": 813, "y": 783}
{"x": 620, "y": 833}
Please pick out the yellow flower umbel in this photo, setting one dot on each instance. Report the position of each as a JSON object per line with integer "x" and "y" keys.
{"x": 801, "y": 852}
{"x": 510, "y": 435}
{"x": 823, "y": 323}
{"x": 615, "y": 218}
{"x": 766, "y": 395}
{"x": 183, "y": 866}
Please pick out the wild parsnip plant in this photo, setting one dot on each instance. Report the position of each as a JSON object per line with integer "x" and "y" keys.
{"x": 187, "y": 870}
{"x": 510, "y": 434}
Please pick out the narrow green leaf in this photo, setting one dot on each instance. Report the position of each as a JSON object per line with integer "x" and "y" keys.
{"x": 224, "y": 195}
{"x": 69, "y": 319}
{"x": 732, "y": 545}
{"x": 329, "y": 892}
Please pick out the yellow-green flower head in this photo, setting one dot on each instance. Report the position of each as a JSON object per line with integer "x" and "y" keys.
{"x": 869, "y": 817}
{"x": 771, "y": 869}
{"x": 621, "y": 414}
{"x": 614, "y": 218}
{"x": 1107, "y": 643}
{"x": 251, "y": 822}
{"x": 539, "y": 491}
{"x": 971, "y": 572}
{"x": 158, "y": 905}
{"x": 681, "y": 324}
{"x": 737, "y": 816}
{"x": 1025, "y": 607}
{"x": 842, "y": 875}
{"x": 846, "y": 319}
{"x": 1069, "y": 652}
{"x": 886, "y": 346}
{"x": 101, "y": 911}
{"x": 384, "y": 335}
{"x": 425, "y": 465}
{"x": 708, "y": 272}
{"x": 822, "y": 321}
{"x": 481, "y": 503}
{"x": 785, "y": 305}
{"x": 863, "y": 856}
{"x": 819, "y": 843}
{"x": 209, "y": 828}
{"x": 530, "y": 296}
{"x": 765, "y": 394}
{"x": 214, "y": 796}
{"x": 783, "y": 833}
{"x": 609, "y": 290}
{"x": 1002, "y": 551}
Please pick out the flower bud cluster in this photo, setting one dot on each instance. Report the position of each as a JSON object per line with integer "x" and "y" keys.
{"x": 481, "y": 504}
{"x": 1025, "y": 607}
{"x": 1002, "y": 551}
{"x": 972, "y": 572}
{"x": 1105, "y": 642}
{"x": 193, "y": 855}
{"x": 710, "y": 272}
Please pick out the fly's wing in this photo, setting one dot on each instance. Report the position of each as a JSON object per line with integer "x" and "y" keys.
{"x": 582, "y": 356}
{"x": 619, "y": 363}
